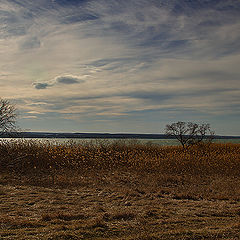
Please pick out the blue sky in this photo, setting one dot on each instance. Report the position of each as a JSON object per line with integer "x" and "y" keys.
{"x": 121, "y": 66}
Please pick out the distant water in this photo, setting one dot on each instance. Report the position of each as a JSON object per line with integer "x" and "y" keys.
{"x": 162, "y": 142}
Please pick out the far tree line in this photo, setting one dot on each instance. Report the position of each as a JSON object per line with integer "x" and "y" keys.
{"x": 187, "y": 133}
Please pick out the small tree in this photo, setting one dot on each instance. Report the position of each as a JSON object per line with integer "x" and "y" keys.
{"x": 7, "y": 117}
{"x": 188, "y": 133}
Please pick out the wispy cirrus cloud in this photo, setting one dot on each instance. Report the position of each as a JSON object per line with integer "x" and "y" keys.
{"x": 122, "y": 59}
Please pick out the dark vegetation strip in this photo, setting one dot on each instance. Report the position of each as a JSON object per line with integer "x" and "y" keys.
{"x": 34, "y": 157}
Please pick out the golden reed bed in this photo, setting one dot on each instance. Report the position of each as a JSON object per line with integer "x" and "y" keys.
{"x": 35, "y": 157}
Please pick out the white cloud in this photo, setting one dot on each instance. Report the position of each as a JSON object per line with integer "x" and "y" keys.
{"x": 118, "y": 57}
{"x": 30, "y": 117}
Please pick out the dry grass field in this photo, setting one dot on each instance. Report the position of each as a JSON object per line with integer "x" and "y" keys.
{"x": 119, "y": 191}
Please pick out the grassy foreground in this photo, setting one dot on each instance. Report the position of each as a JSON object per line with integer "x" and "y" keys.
{"x": 119, "y": 190}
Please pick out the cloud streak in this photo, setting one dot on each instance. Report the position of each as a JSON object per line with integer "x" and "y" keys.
{"x": 64, "y": 80}
{"x": 112, "y": 59}
{"x": 68, "y": 79}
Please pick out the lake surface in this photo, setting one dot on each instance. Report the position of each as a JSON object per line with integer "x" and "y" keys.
{"x": 162, "y": 142}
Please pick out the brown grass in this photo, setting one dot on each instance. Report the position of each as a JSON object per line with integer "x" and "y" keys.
{"x": 119, "y": 191}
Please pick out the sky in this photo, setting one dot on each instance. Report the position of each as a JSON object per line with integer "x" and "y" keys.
{"x": 121, "y": 66}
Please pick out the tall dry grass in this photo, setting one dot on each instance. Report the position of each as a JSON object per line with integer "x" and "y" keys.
{"x": 26, "y": 157}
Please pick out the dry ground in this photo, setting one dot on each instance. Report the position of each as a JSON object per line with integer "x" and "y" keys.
{"x": 119, "y": 191}
{"x": 120, "y": 205}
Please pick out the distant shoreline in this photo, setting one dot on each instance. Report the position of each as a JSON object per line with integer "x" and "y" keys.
{"x": 97, "y": 135}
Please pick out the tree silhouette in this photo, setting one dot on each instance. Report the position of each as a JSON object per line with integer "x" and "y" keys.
{"x": 188, "y": 133}
{"x": 7, "y": 117}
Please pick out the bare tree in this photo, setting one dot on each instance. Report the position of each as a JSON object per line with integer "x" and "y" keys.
{"x": 7, "y": 117}
{"x": 188, "y": 133}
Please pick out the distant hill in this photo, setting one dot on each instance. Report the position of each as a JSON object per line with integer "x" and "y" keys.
{"x": 96, "y": 135}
